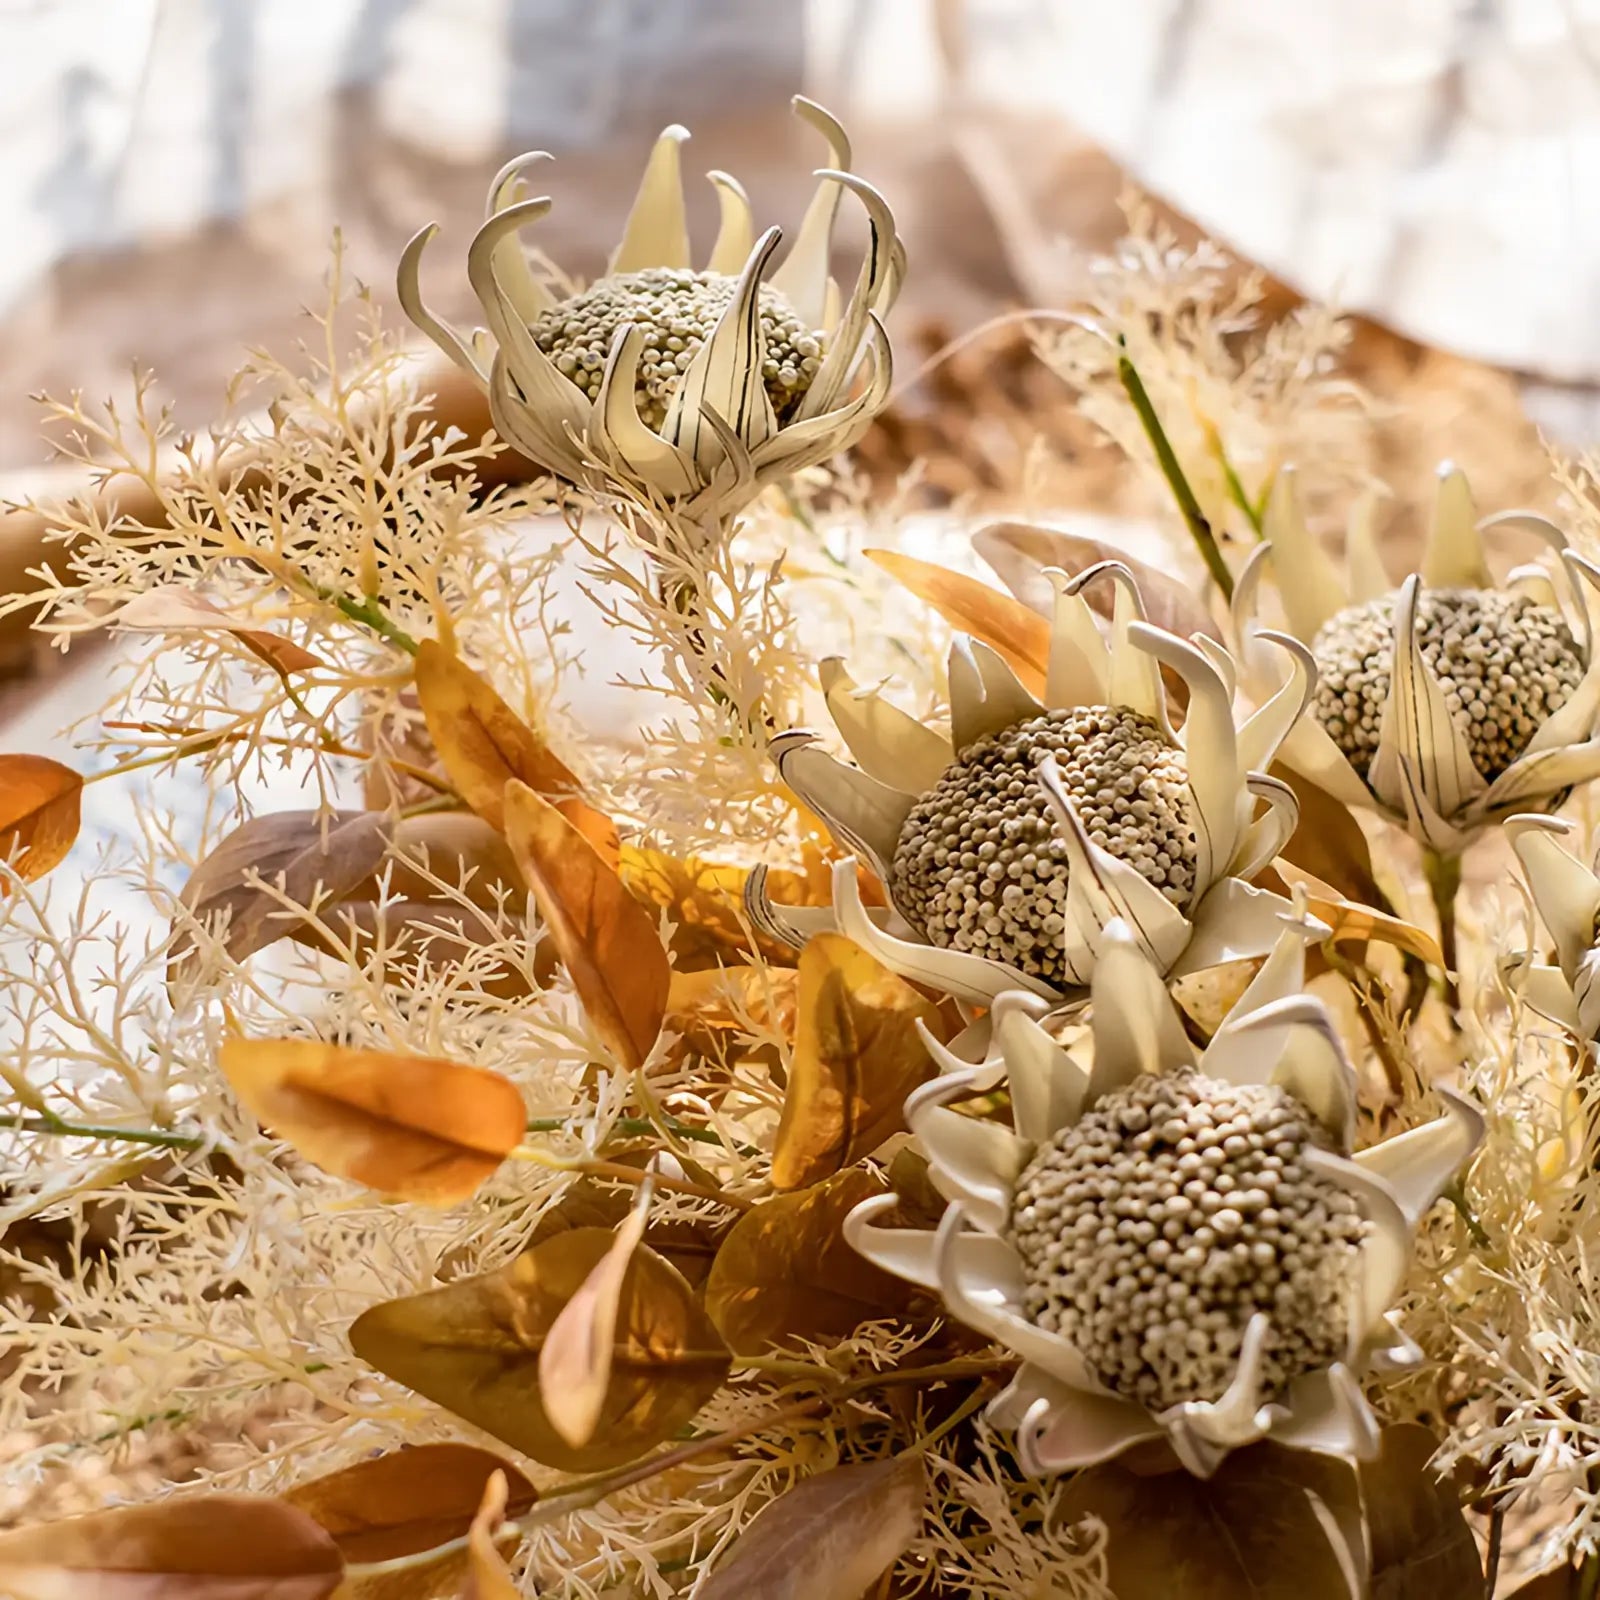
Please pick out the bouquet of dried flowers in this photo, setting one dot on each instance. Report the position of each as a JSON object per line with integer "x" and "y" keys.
{"x": 950, "y": 1091}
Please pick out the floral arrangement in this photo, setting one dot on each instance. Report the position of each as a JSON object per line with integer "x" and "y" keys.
{"x": 968, "y": 1090}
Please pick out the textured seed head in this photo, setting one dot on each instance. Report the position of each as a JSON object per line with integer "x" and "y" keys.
{"x": 1175, "y": 1210}
{"x": 1505, "y": 664}
{"x": 676, "y": 310}
{"x": 980, "y": 864}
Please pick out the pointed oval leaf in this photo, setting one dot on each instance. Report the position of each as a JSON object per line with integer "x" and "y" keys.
{"x": 484, "y": 744}
{"x": 193, "y": 1547}
{"x": 1328, "y": 841}
{"x": 416, "y": 1127}
{"x": 1271, "y": 1522}
{"x": 857, "y": 1056}
{"x": 473, "y": 1347}
{"x": 174, "y": 608}
{"x": 829, "y": 1537}
{"x": 689, "y": 1246}
{"x": 606, "y": 940}
{"x": 1421, "y": 1544}
{"x": 40, "y": 804}
{"x": 1020, "y": 635}
{"x": 785, "y": 1272}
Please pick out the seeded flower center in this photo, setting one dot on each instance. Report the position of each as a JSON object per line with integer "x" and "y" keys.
{"x": 1178, "y": 1207}
{"x": 676, "y": 310}
{"x": 980, "y": 865}
{"x": 1505, "y": 664}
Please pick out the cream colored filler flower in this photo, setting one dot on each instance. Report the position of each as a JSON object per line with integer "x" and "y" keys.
{"x": 1566, "y": 894}
{"x": 1174, "y": 1245}
{"x": 1005, "y": 847}
{"x": 699, "y": 386}
{"x": 1451, "y": 702}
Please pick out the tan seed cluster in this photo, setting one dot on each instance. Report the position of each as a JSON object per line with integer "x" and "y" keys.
{"x": 1178, "y": 1207}
{"x": 1505, "y": 664}
{"x": 980, "y": 866}
{"x": 677, "y": 310}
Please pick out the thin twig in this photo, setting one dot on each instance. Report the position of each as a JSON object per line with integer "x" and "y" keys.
{"x": 1444, "y": 884}
{"x": 59, "y": 1127}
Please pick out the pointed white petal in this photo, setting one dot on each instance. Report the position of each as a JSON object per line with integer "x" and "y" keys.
{"x": 1586, "y": 992}
{"x": 969, "y": 1159}
{"x": 657, "y": 230}
{"x": 1328, "y": 1413}
{"x": 1565, "y": 891}
{"x": 1420, "y": 1164}
{"x": 1294, "y": 1044}
{"x": 803, "y": 277}
{"x": 1542, "y": 778}
{"x": 1574, "y": 720}
{"x": 736, "y": 227}
{"x": 790, "y": 925}
{"x": 971, "y": 1056}
{"x": 1266, "y": 836}
{"x": 1268, "y": 726}
{"x": 1077, "y": 1429}
{"x": 1136, "y": 1025}
{"x": 619, "y": 431}
{"x": 1132, "y": 677}
{"x": 1235, "y": 1417}
{"x": 408, "y": 287}
{"x": 1364, "y": 571}
{"x": 1047, "y": 1085}
{"x": 1236, "y": 922}
{"x": 985, "y": 694}
{"x": 1426, "y": 824}
{"x": 1222, "y": 663}
{"x": 537, "y": 415}
{"x": 1388, "y": 1348}
{"x": 1534, "y": 581}
{"x": 725, "y": 376}
{"x": 1280, "y": 976}
{"x": 522, "y": 289}
{"x": 1386, "y": 1252}
{"x": 1453, "y": 557}
{"x": 1417, "y": 728}
{"x": 1306, "y": 577}
{"x": 909, "y": 1253}
{"x": 888, "y": 745}
{"x": 1244, "y": 608}
{"x": 1308, "y": 750}
{"x": 862, "y": 814}
{"x": 1582, "y": 575}
{"x": 1546, "y": 990}
{"x": 1078, "y": 671}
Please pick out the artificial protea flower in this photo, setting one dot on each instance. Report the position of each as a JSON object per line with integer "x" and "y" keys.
{"x": 1566, "y": 894}
{"x": 1173, "y": 1245}
{"x": 701, "y": 387}
{"x": 1451, "y": 702}
{"x": 1006, "y": 846}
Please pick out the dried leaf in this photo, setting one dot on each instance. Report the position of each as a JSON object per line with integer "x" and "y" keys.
{"x": 39, "y": 813}
{"x": 416, "y": 1127}
{"x": 606, "y": 940}
{"x": 1020, "y": 635}
{"x": 1019, "y": 552}
{"x": 1421, "y": 1544}
{"x": 1274, "y": 1523}
{"x": 829, "y": 1538}
{"x": 194, "y": 1547}
{"x": 593, "y": 1203}
{"x": 1328, "y": 841}
{"x": 455, "y": 847}
{"x": 172, "y": 608}
{"x": 1353, "y": 924}
{"x": 310, "y": 856}
{"x": 575, "y": 1361}
{"x": 857, "y": 1056}
{"x": 484, "y": 744}
{"x": 473, "y": 1347}
{"x": 487, "y": 1575}
{"x": 785, "y": 1272}
{"x": 722, "y": 999}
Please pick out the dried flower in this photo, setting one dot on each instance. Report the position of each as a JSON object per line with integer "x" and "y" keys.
{"x": 1007, "y": 846}
{"x": 697, "y": 387}
{"x": 1566, "y": 893}
{"x": 1445, "y": 707}
{"x": 1173, "y": 1244}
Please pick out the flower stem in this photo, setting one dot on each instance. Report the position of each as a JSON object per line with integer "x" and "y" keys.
{"x": 1444, "y": 883}
{"x": 48, "y": 1122}
{"x": 1167, "y": 459}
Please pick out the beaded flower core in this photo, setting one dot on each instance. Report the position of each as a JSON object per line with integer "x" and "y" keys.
{"x": 677, "y": 310}
{"x": 980, "y": 865}
{"x": 1505, "y": 664}
{"x": 1153, "y": 1229}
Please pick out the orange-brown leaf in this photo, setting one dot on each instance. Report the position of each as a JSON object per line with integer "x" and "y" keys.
{"x": 39, "y": 813}
{"x": 606, "y": 940}
{"x": 857, "y": 1056}
{"x": 1328, "y": 841}
{"x": 172, "y": 608}
{"x": 193, "y": 1547}
{"x": 413, "y": 1126}
{"x": 473, "y": 1347}
{"x": 1021, "y": 635}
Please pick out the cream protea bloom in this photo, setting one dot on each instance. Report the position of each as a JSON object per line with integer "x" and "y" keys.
{"x": 1566, "y": 894}
{"x": 1449, "y": 703}
{"x": 1173, "y": 1245}
{"x": 700, "y": 386}
{"x": 1006, "y": 847}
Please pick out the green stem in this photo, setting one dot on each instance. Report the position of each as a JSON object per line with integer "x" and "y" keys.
{"x": 631, "y": 1127}
{"x": 1444, "y": 883}
{"x": 1167, "y": 459}
{"x": 977, "y": 1398}
{"x": 48, "y": 1122}
{"x": 1457, "y": 1197}
{"x": 1236, "y": 493}
{"x": 370, "y": 614}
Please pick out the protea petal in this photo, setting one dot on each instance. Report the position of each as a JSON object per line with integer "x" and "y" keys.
{"x": 547, "y": 436}
{"x": 1234, "y": 921}
{"x": 1048, "y": 1087}
{"x": 887, "y": 744}
{"x": 803, "y": 277}
{"x": 1307, "y": 581}
{"x": 620, "y": 433}
{"x": 1542, "y": 777}
{"x": 1434, "y": 830}
{"x": 736, "y": 226}
{"x": 1077, "y": 672}
{"x": 1266, "y": 836}
{"x": 530, "y": 297}
{"x": 1327, "y": 1412}
{"x": 969, "y": 1159}
{"x": 864, "y": 815}
{"x": 1574, "y": 720}
{"x": 1546, "y": 990}
{"x": 1266, "y": 728}
{"x": 986, "y": 696}
{"x": 790, "y": 925}
{"x": 1236, "y": 1417}
{"x": 910, "y": 1253}
{"x": 1136, "y": 1025}
{"x": 657, "y": 230}
{"x": 1419, "y": 1165}
{"x": 1453, "y": 557}
{"x": 1365, "y": 576}
{"x": 1309, "y": 751}
{"x": 1386, "y": 1252}
{"x": 1566, "y": 891}
{"x": 408, "y": 289}
{"x": 1294, "y": 1043}
{"x": 1132, "y": 677}
{"x": 1071, "y": 1429}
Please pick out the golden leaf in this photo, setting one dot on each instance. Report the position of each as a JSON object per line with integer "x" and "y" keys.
{"x": 1328, "y": 842}
{"x": 194, "y": 1547}
{"x": 1421, "y": 1544}
{"x": 39, "y": 813}
{"x": 1020, "y": 635}
{"x": 172, "y": 608}
{"x": 590, "y": 1202}
{"x": 857, "y": 1056}
{"x": 1359, "y": 924}
{"x": 484, "y": 744}
{"x": 412, "y": 1126}
{"x": 829, "y": 1536}
{"x": 404, "y": 1503}
{"x": 487, "y": 1576}
{"x": 785, "y": 1272}
{"x": 473, "y": 1347}
{"x": 606, "y": 940}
